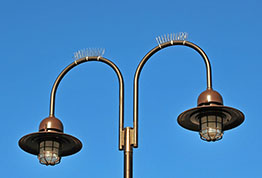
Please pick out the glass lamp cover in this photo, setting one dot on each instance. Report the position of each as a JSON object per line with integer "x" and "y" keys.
{"x": 211, "y": 127}
{"x": 49, "y": 153}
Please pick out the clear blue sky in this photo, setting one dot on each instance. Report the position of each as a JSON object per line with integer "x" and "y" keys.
{"x": 38, "y": 39}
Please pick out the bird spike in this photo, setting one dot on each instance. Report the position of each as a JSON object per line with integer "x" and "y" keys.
{"x": 88, "y": 52}
{"x": 181, "y": 36}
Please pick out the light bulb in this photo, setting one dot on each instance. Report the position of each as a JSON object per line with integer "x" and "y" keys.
{"x": 49, "y": 153}
{"x": 211, "y": 127}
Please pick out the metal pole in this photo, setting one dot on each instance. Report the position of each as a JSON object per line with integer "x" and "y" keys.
{"x": 128, "y": 154}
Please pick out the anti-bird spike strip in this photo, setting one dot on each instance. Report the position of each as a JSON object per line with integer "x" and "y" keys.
{"x": 89, "y": 52}
{"x": 172, "y": 37}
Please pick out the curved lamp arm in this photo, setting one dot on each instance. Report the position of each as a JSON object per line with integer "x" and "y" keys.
{"x": 121, "y": 90}
{"x": 142, "y": 63}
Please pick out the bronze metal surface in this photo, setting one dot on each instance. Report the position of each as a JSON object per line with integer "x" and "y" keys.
{"x": 209, "y": 97}
{"x": 51, "y": 124}
{"x": 231, "y": 117}
{"x": 128, "y": 153}
{"x": 69, "y": 144}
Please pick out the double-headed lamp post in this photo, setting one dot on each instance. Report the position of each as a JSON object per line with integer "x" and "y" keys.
{"x": 210, "y": 118}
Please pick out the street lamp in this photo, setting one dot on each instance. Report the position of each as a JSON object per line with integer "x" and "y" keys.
{"x": 50, "y": 143}
{"x": 210, "y": 118}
